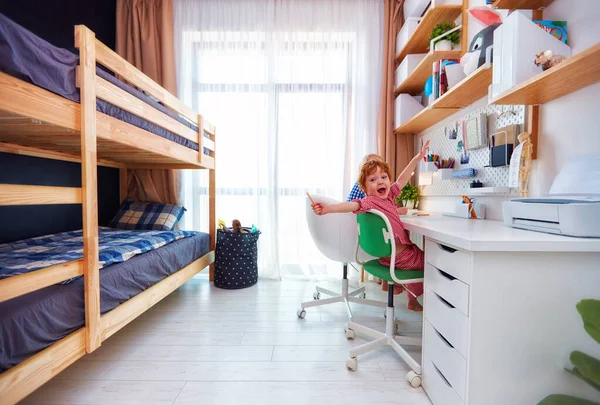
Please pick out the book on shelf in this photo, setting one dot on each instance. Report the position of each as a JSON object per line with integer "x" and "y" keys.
{"x": 439, "y": 78}
{"x": 558, "y": 29}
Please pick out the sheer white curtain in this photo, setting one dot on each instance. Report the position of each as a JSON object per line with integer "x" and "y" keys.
{"x": 293, "y": 88}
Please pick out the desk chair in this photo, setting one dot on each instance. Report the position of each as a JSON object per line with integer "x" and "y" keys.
{"x": 376, "y": 238}
{"x": 335, "y": 236}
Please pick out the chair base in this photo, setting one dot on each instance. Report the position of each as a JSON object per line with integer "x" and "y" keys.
{"x": 345, "y": 296}
{"x": 389, "y": 338}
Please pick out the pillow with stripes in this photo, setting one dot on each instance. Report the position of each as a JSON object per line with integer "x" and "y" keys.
{"x": 147, "y": 216}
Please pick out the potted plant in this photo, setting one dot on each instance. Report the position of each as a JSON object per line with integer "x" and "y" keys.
{"x": 586, "y": 367}
{"x": 409, "y": 197}
{"x": 449, "y": 41}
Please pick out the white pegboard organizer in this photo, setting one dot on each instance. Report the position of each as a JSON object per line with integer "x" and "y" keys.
{"x": 441, "y": 145}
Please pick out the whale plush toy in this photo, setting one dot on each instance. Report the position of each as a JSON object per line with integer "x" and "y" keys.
{"x": 475, "y": 56}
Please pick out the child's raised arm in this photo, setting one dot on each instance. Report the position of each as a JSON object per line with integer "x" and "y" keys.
{"x": 410, "y": 168}
{"x": 322, "y": 208}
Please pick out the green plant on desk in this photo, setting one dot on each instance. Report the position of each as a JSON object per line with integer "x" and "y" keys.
{"x": 586, "y": 367}
{"x": 408, "y": 196}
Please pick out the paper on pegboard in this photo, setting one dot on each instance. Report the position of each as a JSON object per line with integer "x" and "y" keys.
{"x": 498, "y": 116}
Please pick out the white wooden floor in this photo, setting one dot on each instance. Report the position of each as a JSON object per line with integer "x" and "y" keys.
{"x": 204, "y": 345}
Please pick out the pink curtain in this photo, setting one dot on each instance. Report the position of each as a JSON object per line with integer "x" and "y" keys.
{"x": 145, "y": 39}
{"x": 397, "y": 150}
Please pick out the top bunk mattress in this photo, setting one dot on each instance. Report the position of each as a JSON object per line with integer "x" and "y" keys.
{"x": 28, "y": 57}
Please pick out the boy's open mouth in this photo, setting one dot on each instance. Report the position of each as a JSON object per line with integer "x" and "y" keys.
{"x": 381, "y": 190}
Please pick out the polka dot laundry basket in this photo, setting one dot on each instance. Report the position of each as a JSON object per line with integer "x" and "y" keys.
{"x": 236, "y": 259}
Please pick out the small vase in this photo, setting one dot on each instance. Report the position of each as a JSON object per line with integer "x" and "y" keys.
{"x": 443, "y": 45}
{"x": 409, "y": 204}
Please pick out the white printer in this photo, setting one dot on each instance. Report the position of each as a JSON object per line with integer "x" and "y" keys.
{"x": 572, "y": 207}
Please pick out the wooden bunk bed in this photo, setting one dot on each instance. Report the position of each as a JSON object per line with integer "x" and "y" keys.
{"x": 36, "y": 122}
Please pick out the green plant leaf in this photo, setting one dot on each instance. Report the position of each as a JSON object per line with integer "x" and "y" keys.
{"x": 559, "y": 399}
{"x": 586, "y": 368}
{"x": 409, "y": 193}
{"x": 577, "y": 374}
{"x": 590, "y": 314}
{"x": 443, "y": 27}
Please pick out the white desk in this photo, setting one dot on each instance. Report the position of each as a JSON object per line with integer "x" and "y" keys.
{"x": 500, "y": 319}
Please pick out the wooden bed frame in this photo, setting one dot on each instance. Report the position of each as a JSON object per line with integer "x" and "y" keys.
{"x": 36, "y": 122}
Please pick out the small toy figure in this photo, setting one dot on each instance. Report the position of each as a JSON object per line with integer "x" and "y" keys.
{"x": 547, "y": 59}
{"x": 237, "y": 226}
{"x": 222, "y": 226}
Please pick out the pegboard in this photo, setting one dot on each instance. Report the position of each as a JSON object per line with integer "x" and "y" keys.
{"x": 440, "y": 143}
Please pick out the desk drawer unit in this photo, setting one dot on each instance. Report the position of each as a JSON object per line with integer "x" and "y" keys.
{"x": 447, "y": 320}
{"x": 437, "y": 386}
{"x": 446, "y": 358}
{"x": 448, "y": 287}
{"x": 454, "y": 262}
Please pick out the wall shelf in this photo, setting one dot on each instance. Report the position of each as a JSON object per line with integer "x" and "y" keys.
{"x": 419, "y": 41}
{"x": 521, "y": 4}
{"x": 415, "y": 82}
{"x": 467, "y": 91}
{"x": 424, "y": 119}
{"x": 464, "y": 93}
{"x": 489, "y": 190}
{"x": 573, "y": 74}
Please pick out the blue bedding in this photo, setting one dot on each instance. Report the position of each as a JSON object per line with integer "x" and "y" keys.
{"x": 34, "y": 321}
{"x": 116, "y": 245}
{"x": 34, "y": 60}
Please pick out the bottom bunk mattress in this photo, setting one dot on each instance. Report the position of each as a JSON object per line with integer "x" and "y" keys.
{"x": 34, "y": 321}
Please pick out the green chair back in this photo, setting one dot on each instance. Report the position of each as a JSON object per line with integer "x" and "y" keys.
{"x": 371, "y": 237}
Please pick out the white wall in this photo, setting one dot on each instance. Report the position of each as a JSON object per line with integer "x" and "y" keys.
{"x": 568, "y": 126}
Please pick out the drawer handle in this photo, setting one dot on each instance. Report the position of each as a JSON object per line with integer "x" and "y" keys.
{"x": 443, "y": 338}
{"x": 446, "y": 248}
{"x": 441, "y": 375}
{"x": 446, "y": 275}
{"x": 444, "y": 301}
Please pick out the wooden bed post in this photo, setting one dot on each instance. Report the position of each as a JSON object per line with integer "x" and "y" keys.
{"x": 85, "y": 40}
{"x": 212, "y": 214}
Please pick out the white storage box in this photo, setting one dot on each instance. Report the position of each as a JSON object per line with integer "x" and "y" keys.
{"x": 409, "y": 63}
{"x": 516, "y": 43}
{"x": 415, "y": 8}
{"x": 409, "y": 27}
{"x": 428, "y": 167}
{"x": 405, "y": 107}
{"x": 445, "y": 174}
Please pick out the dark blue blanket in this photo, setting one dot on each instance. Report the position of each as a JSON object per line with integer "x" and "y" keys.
{"x": 34, "y": 321}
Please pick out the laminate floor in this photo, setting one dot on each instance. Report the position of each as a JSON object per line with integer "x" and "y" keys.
{"x": 204, "y": 345}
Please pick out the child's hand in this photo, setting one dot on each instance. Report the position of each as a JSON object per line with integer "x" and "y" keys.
{"x": 320, "y": 208}
{"x": 402, "y": 210}
{"x": 424, "y": 150}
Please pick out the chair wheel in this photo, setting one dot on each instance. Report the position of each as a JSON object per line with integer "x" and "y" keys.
{"x": 414, "y": 379}
{"x": 350, "y": 334}
{"x": 316, "y": 295}
{"x": 352, "y": 363}
{"x": 301, "y": 313}
{"x": 362, "y": 295}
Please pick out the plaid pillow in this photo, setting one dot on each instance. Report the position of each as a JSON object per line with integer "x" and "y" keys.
{"x": 147, "y": 216}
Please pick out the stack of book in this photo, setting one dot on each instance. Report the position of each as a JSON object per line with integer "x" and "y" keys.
{"x": 439, "y": 79}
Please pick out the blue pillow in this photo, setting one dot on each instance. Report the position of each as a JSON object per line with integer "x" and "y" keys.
{"x": 147, "y": 216}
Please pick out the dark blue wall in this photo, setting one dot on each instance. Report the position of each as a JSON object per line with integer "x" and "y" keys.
{"x": 18, "y": 222}
{"x": 54, "y": 20}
